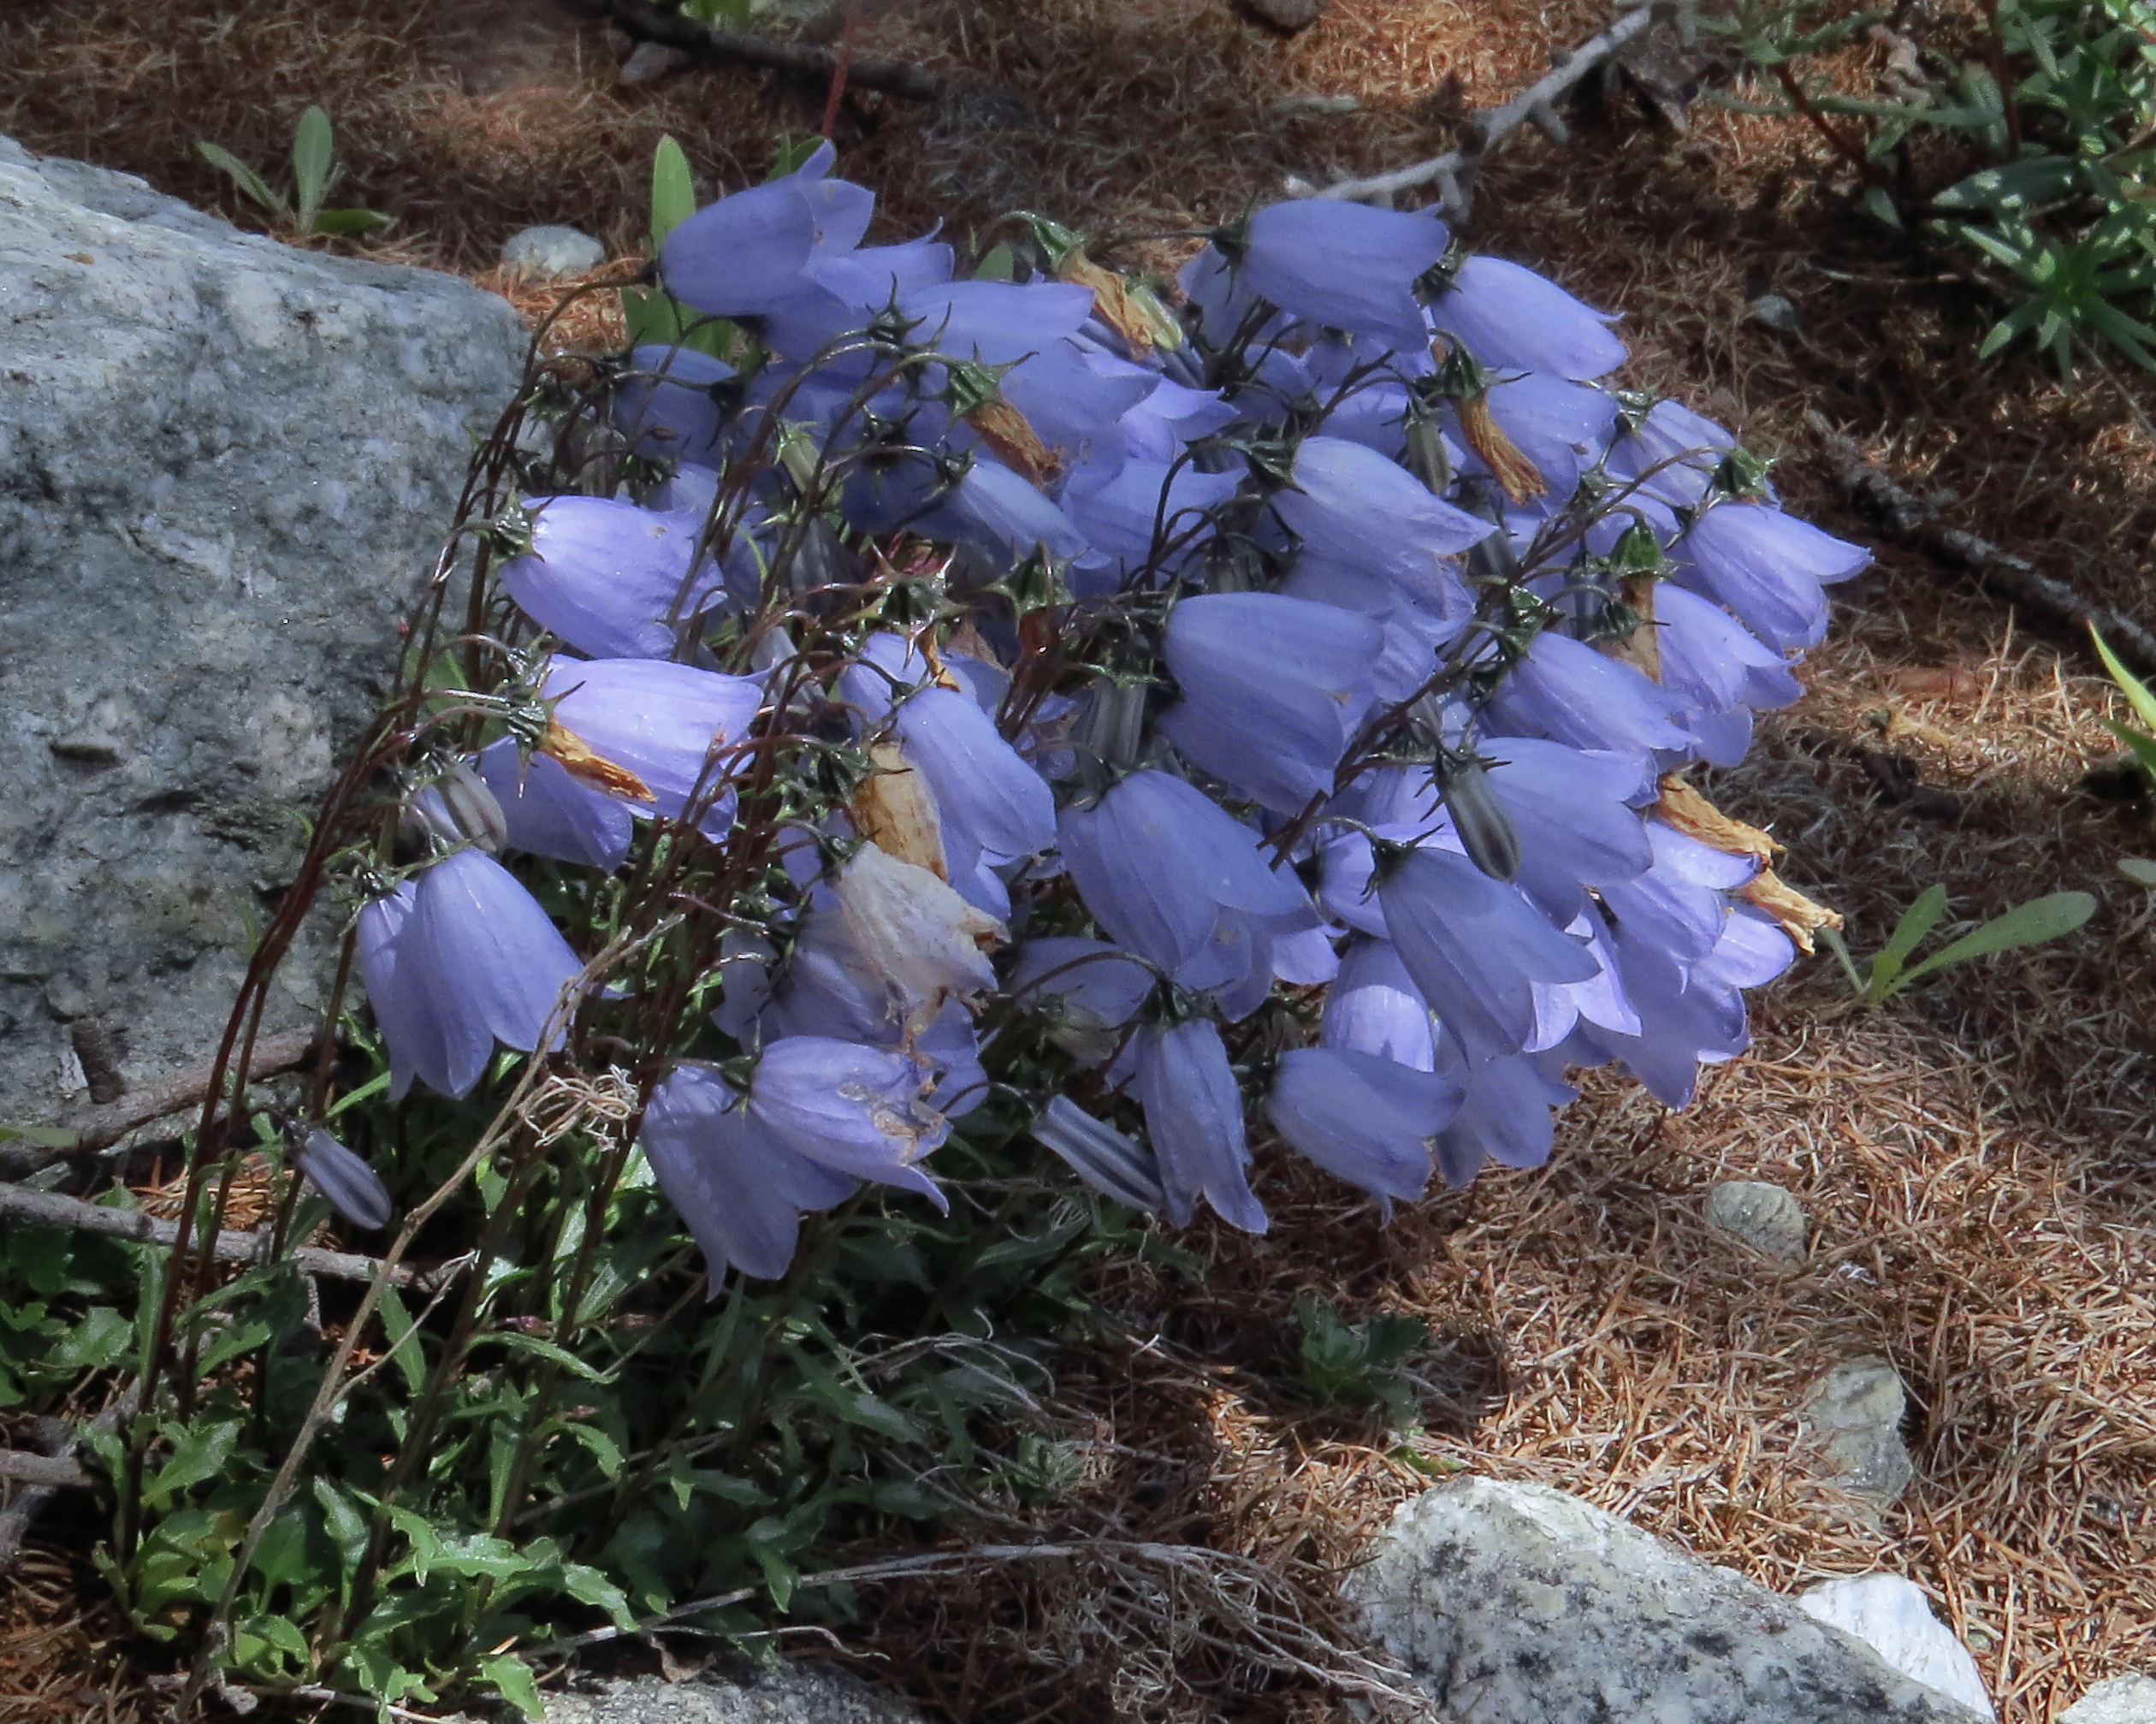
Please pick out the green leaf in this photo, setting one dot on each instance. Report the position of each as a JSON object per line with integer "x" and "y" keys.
{"x": 2138, "y": 693}
{"x": 1000, "y": 264}
{"x": 199, "y": 1454}
{"x": 44, "y": 1136}
{"x": 2140, "y": 870}
{"x": 314, "y": 154}
{"x": 250, "y": 182}
{"x": 404, "y": 1340}
{"x": 792, "y": 153}
{"x": 1918, "y": 920}
{"x": 2142, "y": 745}
{"x": 587, "y": 1585}
{"x": 1881, "y": 207}
{"x": 674, "y": 192}
{"x": 520, "y": 1342}
{"x": 97, "y": 1342}
{"x": 351, "y": 224}
{"x": 2030, "y": 924}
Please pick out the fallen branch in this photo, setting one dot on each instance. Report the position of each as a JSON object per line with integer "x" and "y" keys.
{"x": 99, "y": 1127}
{"x": 1454, "y": 172}
{"x": 54, "y": 1472}
{"x": 59, "y": 1439}
{"x": 901, "y": 78}
{"x": 1907, "y": 518}
{"x": 36, "y": 1208}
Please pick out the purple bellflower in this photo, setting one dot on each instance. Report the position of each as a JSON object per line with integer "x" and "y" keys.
{"x": 609, "y": 578}
{"x": 1112, "y": 1163}
{"x": 457, "y": 961}
{"x": 1514, "y": 319}
{"x": 1343, "y": 266}
{"x": 1374, "y": 1007}
{"x": 737, "y": 1186}
{"x": 662, "y": 724}
{"x": 851, "y": 1109}
{"x": 1504, "y": 1112}
{"x": 1768, "y": 567}
{"x": 1565, "y": 690}
{"x": 1194, "y": 1117}
{"x": 1370, "y": 1120}
{"x": 1475, "y": 946}
{"x": 550, "y": 813}
{"x": 1273, "y": 688}
{"x": 1173, "y": 878}
{"x": 745, "y": 254}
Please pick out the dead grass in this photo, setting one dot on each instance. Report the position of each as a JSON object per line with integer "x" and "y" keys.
{"x": 1976, "y": 1161}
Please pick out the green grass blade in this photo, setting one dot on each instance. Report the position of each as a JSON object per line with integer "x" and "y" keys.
{"x": 2138, "y": 694}
{"x": 250, "y": 182}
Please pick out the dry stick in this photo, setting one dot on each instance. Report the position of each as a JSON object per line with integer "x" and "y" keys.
{"x": 714, "y": 41}
{"x": 99, "y": 1127}
{"x": 23, "y": 1506}
{"x": 1908, "y": 519}
{"x": 37, "y": 1208}
{"x": 54, "y": 1472}
{"x": 1454, "y": 172}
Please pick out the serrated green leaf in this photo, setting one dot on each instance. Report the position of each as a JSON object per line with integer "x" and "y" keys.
{"x": 199, "y": 1454}
{"x": 518, "y": 1341}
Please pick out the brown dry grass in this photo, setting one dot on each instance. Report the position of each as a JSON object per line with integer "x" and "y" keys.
{"x": 1976, "y": 1161}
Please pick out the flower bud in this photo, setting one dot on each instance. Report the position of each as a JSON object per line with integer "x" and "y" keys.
{"x": 456, "y": 811}
{"x": 1116, "y": 1166}
{"x": 1486, "y": 831}
{"x": 352, "y": 1188}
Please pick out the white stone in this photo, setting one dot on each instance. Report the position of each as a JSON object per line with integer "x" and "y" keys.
{"x": 789, "y": 1694}
{"x": 1765, "y": 1217}
{"x": 1895, "y": 1620}
{"x": 2123, "y": 1700}
{"x": 1518, "y": 1604}
{"x": 225, "y": 464}
{"x": 552, "y": 254}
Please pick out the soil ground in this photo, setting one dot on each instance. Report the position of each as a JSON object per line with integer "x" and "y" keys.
{"x": 1976, "y": 1161}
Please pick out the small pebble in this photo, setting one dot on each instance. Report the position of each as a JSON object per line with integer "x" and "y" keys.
{"x": 1856, "y": 1413}
{"x": 552, "y": 254}
{"x": 1762, "y": 1215}
{"x": 1776, "y": 313}
{"x": 649, "y": 62}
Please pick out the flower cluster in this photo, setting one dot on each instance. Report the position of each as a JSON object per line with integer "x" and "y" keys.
{"x": 1274, "y": 709}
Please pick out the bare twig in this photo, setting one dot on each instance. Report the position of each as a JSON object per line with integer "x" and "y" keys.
{"x": 1903, "y": 516}
{"x": 54, "y": 1472}
{"x": 60, "y": 1439}
{"x": 96, "y": 1127}
{"x": 54, "y": 1209}
{"x": 901, "y": 78}
{"x": 1454, "y": 172}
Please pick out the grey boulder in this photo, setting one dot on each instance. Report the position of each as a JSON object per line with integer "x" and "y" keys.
{"x": 2122, "y": 1700}
{"x": 786, "y": 1694}
{"x": 225, "y": 466}
{"x": 1518, "y": 1604}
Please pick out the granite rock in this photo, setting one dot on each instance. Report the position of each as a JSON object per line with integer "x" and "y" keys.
{"x": 1518, "y": 1604}
{"x": 787, "y": 1694}
{"x": 2122, "y": 1700}
{"x": 1855, "y": 1412}
{"x": 551, "y": 254}
{"x": 225, "y": 464}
